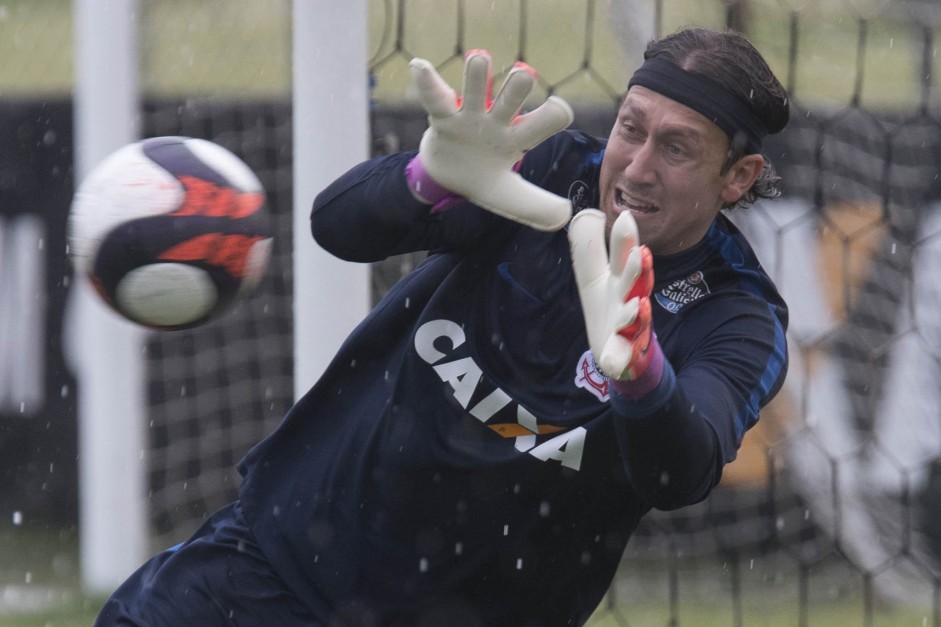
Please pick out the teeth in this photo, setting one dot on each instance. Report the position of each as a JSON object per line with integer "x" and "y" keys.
{"x": 624, "y": 199}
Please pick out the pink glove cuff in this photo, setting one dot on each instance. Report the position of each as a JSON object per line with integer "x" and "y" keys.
{"x": 427, "y": 189}
{"x": 648, "y": 379}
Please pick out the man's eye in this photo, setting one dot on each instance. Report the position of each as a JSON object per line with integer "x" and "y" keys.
{"x": 629, "y": 129}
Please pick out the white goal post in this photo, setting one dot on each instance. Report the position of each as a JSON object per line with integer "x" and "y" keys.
{"x": 105, "y": 351}
{"x": 330, "y": 134}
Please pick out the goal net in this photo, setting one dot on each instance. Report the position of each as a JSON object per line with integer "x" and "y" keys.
{"x": 829, "y": 499}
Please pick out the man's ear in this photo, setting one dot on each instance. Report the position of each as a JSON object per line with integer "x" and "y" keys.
{"x": 740, "y": 177}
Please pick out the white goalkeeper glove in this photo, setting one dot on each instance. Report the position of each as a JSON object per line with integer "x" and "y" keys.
{"x": 472, "y": 144}
{"x": 615, "y": 284}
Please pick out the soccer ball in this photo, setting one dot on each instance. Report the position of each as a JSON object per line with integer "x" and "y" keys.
{"x": 170, "y": 231}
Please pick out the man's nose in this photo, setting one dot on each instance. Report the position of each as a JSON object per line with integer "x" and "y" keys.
{"x": 641, "y": 169}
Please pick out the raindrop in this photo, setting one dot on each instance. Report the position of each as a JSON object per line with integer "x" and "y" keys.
{"x": 459, "y": 548}
{"x": 64, "y": 391}
{"x": 29, "y": 577}
{"x": 17, "y": 518}
{"x": 423, "y": 565}
{"x": 506, "y": 530}
{"x": 519, "y": 563}
{"x": 544, "y": 509}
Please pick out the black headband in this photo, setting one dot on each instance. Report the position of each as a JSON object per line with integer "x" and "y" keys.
{"x": 705, "y": 96}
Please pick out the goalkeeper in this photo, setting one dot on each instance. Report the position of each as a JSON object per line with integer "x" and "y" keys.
{"x": 485, "y": 442}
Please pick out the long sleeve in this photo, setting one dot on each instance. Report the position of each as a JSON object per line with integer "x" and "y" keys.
{"x": 726, "y": 358}
{"x": 369, "y": 214}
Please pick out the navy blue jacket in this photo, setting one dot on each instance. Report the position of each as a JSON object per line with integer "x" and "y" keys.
{"x": 461, "y": 456}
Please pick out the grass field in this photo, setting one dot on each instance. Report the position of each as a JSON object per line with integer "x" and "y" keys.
{"x": 39, "y": 587}
{"x": 39, "y": 579}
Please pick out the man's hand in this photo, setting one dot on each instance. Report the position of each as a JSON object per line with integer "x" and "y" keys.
{"x": 615, "y": 284}
{"x": 473, "y": 143}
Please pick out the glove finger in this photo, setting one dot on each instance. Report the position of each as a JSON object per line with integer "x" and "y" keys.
{"x": 628, "y": 273}
{"x": 436, "y": 96}
{"x": 586, "y": 242}
{"x": 513, "y": 93}
{"x": 623, "y": 239}
{"x": 515, "y": 198}
{"x": 625, "y": 314}
{"x": 638, "y": 330}
{"x": 643, "y": 286}
{"x": 615, "y": 356}
{"x": 478, "y": 81}
{"x": 531, "y": 129}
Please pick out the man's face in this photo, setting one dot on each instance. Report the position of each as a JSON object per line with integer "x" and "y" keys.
{"x": 663, "y": 163}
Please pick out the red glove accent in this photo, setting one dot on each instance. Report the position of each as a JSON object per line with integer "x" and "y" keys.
{"x": 640, "y": 332}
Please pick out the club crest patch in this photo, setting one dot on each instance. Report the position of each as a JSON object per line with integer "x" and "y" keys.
{"x": 579, "y": 195}
{"x": 588, "y": 377}
{"x": 682, "y": 292}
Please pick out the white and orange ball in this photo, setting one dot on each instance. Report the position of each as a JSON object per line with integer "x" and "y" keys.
{"x": 171, "y": 231}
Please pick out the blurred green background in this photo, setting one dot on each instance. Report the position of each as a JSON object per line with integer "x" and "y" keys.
{"x": 242, "y": 48}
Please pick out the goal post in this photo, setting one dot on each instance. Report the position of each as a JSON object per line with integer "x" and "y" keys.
{"x": 105, "y": 351}
{"x": 331, "y": 134}
{"x": 116, "y": 411}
